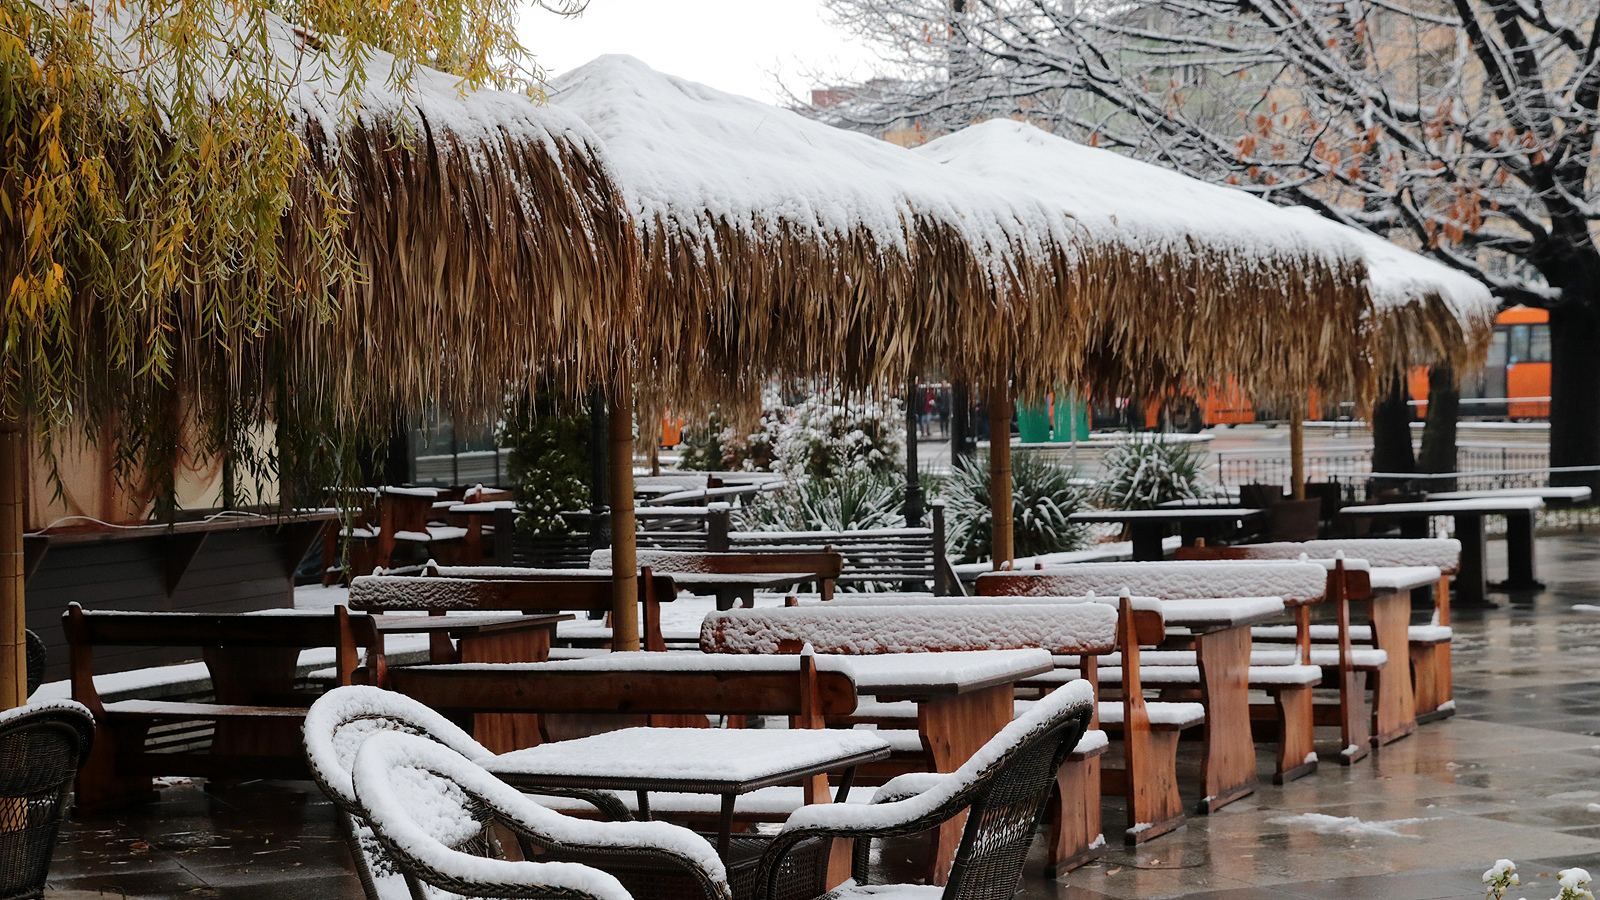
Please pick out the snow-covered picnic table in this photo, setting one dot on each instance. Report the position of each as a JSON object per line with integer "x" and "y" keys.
{"x": 1149, "y": 526}
{"x": 1547, "y": 494}
{"x": 1469, "y": 514}
{"x": 725, "y": 761}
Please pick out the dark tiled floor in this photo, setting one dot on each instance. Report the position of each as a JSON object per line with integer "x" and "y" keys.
{"x": 1513, "y": 775}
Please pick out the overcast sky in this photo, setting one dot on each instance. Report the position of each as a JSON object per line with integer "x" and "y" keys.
{"x": 735, "y": 45}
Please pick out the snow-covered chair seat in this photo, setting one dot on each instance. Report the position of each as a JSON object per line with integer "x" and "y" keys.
{"x": 1006, "y": 785}
{"x": 342, "y": 720}
{"x": 436, "y": 813}
{"x": 1327, "y": 634}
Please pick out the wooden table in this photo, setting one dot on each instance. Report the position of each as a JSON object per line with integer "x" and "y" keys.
{"x": 730, "y": 589}
{"x": 1389, "y": 614}
{"x": 963, "y": 699}
{"x": 484, "y": 639}
{"x": 1550, "y": 495}
{"x": 1471, "y": 580}
{"x": 1221, "y": 633}
{"x": 1149, "y": 526}
{"x": 728, "y": 762}
{"x": 473, "y": 516}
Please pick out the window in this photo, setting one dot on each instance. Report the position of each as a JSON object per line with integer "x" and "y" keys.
{"x": 1539, "y": 344}
{"x": 1519, "y": 344}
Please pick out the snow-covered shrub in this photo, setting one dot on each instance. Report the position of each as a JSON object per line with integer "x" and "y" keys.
{"x": 820, "y": 437}
{"x": 702, "y": 446}
{"x": 549, "y": 466}
{"x": 1042, "y": 497}
{"x": 1502, "y": 877}
{"x": 1146, "y": 471}
{"x": 847, "y": 502}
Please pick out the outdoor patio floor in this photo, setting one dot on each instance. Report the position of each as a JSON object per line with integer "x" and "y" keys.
{"x": 1515, "y": 774}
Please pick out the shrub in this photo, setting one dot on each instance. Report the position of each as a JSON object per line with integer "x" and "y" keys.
{"x": 1042, "y": 497}
{"x": 549, "y": 466}
{"x": 1147, "y": 471}
{"x": 820, "y": 438}
{"x": 848, "y": 502}
{"x": 702, "y": 446}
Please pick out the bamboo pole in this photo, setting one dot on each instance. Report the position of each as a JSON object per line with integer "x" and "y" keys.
{"x": 13, "y": 605}
{"x": 1000, "y": 473}
{"x": 1297, "y": 453}
{"x": 624, "y": 555}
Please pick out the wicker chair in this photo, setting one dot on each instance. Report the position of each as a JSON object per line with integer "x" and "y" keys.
{"x": 41, "y": 747}
{"x": 438, "y": 815}
{"x": 336, "y": 726}
{"x": 1005, "y": 785}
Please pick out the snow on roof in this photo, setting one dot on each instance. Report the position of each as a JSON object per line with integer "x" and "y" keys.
{"x": 688, "y": 156}
{"x": 1396, "y": 276}
{"x": 1110, "y": 194}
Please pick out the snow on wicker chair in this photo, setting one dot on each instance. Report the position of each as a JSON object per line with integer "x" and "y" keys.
{"x": 335, "y": 728}
{"x": 438, "y": 815}
{"x": 1006, "y": 785}
{"x": 42, "y": 746}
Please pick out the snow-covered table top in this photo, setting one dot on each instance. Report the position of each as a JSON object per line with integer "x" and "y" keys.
{"x": 1448, "y": 507}
{"x": 485, "y": 507}
{"x": 1226, "y": 612}
{"x": 1571, "y": 494}
{"x": 934, "y": 674}
{"x": 1165, "y": 514}
{"x": 695, "y": 760}
{"x": 1403, "y": 578}
{"x": 658, "y": 662}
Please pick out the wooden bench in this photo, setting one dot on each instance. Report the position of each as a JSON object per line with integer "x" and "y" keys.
{"x": 490, "y": 589}
{"x": 252, "y": 660}
{"x": 909, "y": 558}
{"x": 1082, "y": 630}
{"x": 824, "y": 563}
{"x": 1431, "y": 668}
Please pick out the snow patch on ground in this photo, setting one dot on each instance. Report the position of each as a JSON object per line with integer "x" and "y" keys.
{"x": 1325, "y": 824}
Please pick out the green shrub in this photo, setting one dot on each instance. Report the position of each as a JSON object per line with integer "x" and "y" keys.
{"x": 1042, "y": 497}
{"x": 1147, "y": 471}
{"x": 549, "y": 466}
{"x": 849, "y": 502}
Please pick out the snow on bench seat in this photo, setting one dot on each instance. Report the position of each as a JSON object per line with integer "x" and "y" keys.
{"x": 1162, "y": 715}
{"x": 1419, "y": 634}
{"x": 905, "y": 741}
{"x": 861, "y": 630}
{"x": 1364, "y": 657}
{"x": 1296, "y": 582}
{"x": 1404, "y": 578}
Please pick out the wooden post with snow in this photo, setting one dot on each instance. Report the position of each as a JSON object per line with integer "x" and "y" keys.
{"x": 1000, "y": 472}
{"x": 624, "y": 556}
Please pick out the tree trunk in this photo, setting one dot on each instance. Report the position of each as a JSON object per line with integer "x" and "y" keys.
{"x": 913, "y": 509}
{"x": 963, "y": 444}
{"x": 1575, "y": 392}
{"x": 1439, "y": 431}
{"x": 1391, "y": 430}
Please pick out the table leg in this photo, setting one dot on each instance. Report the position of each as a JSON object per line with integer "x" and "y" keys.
{"x": 644, "y": 806}
{"x": 726, "y": 597}
{"x": 503, "y": 732}
{"x": 1147, "y": 537}
{"x": 953, "y": 728}
{"x": 1228, "y": 771}
{"x": 1471, "y": 583}
{"x": 1394, "y": 706}
{"x": 725, "y": 825}
{"x": 1519, "y": 553}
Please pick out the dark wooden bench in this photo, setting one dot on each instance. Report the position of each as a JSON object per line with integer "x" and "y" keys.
{"x": 907, "y": 558}
{"x": 491, "y": 589}
{"x": 252, "y": 660}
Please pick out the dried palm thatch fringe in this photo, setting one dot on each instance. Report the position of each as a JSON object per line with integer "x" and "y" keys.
{"x": 1427, "y": 331}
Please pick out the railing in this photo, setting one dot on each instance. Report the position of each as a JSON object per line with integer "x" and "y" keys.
{"x": 1478, "y": 467}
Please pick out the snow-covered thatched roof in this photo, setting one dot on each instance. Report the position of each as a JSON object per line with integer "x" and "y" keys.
{"x": 492, "y": 245}
{"x": 780, "y": 243}
{"x": 1426, "y": 311}
{"x": 1187, "y": 279}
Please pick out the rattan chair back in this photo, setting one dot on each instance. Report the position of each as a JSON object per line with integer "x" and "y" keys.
{"x": 433, "y": 809}
{"x": 42, "y": 746}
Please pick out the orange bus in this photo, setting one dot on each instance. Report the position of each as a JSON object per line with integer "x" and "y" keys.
{"x": 1515, "y": 380}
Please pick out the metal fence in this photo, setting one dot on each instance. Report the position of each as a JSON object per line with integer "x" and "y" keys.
{"x": 1478, "y": 466}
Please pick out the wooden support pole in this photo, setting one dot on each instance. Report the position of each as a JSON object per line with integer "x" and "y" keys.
{"x": 1000, "y": 472}
{"x": 1297, "y": 454}
{"x": 624, "y": 555}
{"x": 914, "y": 505}
{"x": 13, "y": 602}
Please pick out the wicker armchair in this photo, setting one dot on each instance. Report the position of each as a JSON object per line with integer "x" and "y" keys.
{"x": 42, "y": 746}
{"x": 336, "y": 726}
{"x": 1006, "y": 786}
{"x": 438, "y": 815}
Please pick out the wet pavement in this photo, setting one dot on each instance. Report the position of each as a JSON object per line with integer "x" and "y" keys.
{"x": 1515, "y": 774}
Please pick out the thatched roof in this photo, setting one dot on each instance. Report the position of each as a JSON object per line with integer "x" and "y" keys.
{"x": 1426, "y": 312}
{"x": 1186, "y": 281}
{"x": 492, "y": 246}
{"x": 775, "y": 244}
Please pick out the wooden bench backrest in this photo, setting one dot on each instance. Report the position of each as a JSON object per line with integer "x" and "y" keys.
{"x": 826, "y": 564}
{"x": 512, "y": 688}
{"x": 87, "y": 629}
{"x": 1076, "y": 628}
{"x": 1445, "y": 553}
{"x": 1166, "y": 581}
